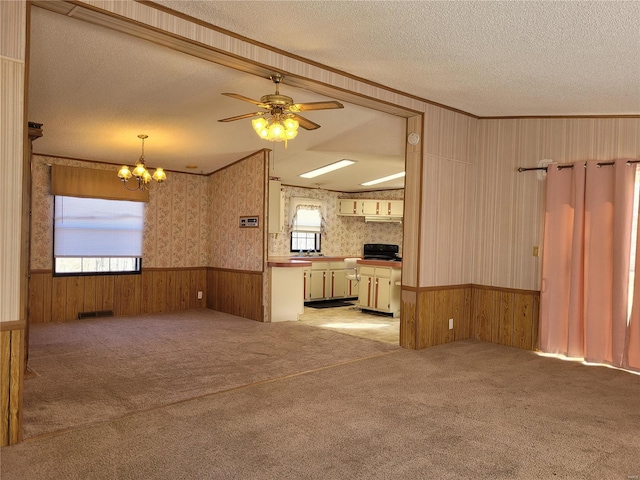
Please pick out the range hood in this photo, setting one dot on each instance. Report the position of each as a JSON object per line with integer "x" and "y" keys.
{"x": 382, "y": 219}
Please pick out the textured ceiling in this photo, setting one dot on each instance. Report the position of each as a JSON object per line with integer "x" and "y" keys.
{"x": 488, "y": 58}
{"x": 95, "y": 89}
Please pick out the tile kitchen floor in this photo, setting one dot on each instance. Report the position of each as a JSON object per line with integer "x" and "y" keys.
{"x": 352, "y": 321}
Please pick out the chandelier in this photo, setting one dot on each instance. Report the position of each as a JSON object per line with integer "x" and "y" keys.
{"x": 277, "y": 128}
{"x": 141, "y": 174}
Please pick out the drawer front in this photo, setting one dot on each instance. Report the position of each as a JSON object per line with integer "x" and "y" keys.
{"x": 366, "y": 270}
{"x": 319, "y": 265}
{"x": 336, "y": 265}
{"x": 383, "y": 272}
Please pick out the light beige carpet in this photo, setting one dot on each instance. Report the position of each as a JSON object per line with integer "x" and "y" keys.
{"x": 98, "y": 369}
{"x": 467, "y": 410}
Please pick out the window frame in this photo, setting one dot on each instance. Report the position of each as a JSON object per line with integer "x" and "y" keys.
{"x": 54, "y": 259}
{"x": 317, "y": 242}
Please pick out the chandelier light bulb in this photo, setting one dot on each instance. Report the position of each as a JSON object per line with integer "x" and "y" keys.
{"x": 159, "y": 175}
{"x": 139, "y": 170}
{"x": 124, "y": 173}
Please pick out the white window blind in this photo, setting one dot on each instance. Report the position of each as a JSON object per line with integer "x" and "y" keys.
{"x": 93, "y": 227}
{"x": 306, "y": 215}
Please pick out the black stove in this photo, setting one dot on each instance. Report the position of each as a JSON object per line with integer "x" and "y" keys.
{"x": 381, "y": 251}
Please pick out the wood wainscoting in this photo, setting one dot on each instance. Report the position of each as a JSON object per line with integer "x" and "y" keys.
{"x": 491, "y": 314}
{"x": 237, "y": 292}
{"x": 506, "y": 316}
{"x": 61, "y": 299}
{"x": 12, "y": 339}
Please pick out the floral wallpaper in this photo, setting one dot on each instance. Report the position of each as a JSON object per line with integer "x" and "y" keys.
{"x": 344, "y": 236}
{"x": 238, "y": 191}
{"x": 177, "y": 226}
{"x": 193, "y": 220}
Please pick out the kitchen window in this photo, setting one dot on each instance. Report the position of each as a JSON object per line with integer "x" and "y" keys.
{"x": 97, "y": 236}
{"x": 305, "y": 242}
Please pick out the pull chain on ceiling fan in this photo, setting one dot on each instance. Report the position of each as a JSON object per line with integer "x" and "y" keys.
{"x": 283, "y": 119}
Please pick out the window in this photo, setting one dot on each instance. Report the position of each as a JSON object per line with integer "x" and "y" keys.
{"x": 94, "y": 235}
{"x": 306, "y": 224}
{"x": 303, "y": 241}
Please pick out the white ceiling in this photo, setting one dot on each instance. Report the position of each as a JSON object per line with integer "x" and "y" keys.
{"x": 95, "y": 89}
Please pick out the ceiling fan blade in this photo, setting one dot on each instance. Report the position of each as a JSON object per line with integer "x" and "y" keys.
{"x": 305, "y": 123}
{"x": 245, "y": 99}
{"x": 305, "y": 107}
{"x": 240, "y": 117}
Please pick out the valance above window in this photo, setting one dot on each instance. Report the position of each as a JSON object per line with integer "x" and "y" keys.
{"x": 92, "y": 183}
{"x": 306, "y": 215}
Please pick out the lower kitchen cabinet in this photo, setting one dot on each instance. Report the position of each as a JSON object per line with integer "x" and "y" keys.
{"x": 327, "y": 280}
{"x": 378, "y": 289}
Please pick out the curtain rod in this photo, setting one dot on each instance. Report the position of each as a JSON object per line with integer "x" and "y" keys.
{"x": 562, "y": 166}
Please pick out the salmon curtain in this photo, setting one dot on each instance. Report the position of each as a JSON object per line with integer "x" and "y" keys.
{"x": 585, "y": 267}
{"x": 632, "y": 350}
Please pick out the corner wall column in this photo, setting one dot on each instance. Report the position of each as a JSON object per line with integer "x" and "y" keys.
{"x": 13, "y": 134}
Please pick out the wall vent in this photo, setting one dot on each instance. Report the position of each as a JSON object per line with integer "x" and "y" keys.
{"x": 99, "y": 313}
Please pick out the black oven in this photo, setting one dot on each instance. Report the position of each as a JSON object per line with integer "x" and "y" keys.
{"x": 381, "y": 251}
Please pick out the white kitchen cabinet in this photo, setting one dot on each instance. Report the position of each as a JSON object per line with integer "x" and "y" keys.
{"x": 394, "y": 208}
{"x": 319, "y": 281}
{"x": 378, "y": 289}
{"x": 337, "y": 280}
{"x": 370, "y": 208}
{"x": 276, "y": 207}
{"x": 349, "y": 207}
{"x": 351, "y": 287}
{"x": 326, "y": 280}
{"x": 306, "y": 276}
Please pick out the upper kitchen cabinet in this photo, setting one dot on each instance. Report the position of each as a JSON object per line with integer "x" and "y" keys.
{"x": 348, "y": 207}
{"x": 370, "y": 208}
{"x": 276, "y": 207}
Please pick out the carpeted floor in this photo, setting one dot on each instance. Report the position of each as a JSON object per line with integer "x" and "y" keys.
{"x": 98, "y": 369}
{"x": 467, "y": 410}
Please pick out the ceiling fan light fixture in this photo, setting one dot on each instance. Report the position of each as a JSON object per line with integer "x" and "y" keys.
{"x": 281, "y": 120}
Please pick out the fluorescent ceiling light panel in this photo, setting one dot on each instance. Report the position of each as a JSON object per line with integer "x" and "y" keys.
{"x": 328, "y": 168}
{"x": 383, "y": 179}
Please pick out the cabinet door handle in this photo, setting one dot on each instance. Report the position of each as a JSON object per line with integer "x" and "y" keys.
{"x": 376, "y": 296}
{"x": 333, "y": 276}
{"x": 324, "y": 284}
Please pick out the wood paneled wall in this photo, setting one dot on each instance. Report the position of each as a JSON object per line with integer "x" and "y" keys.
{"x": 235, "y": 292}
{"x": 60, "y": 299}
{"x": 11, "y": 371}
{"x": 504, "y": 316}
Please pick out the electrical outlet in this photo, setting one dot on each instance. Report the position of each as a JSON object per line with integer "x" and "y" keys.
{"x": 199, "y": 295}
{"x": 451, "y": 324}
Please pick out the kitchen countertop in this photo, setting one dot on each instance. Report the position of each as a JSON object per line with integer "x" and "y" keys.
{"x": 284, "y": 261}
{"x": 287, "y": 262}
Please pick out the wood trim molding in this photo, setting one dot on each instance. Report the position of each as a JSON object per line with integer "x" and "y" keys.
{"x": 469, "y": 285}
{"x": 232, "y": 270}
{"x": 13, "y": 325}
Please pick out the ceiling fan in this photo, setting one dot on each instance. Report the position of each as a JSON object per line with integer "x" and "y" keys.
{"x": 282, "y": 107}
